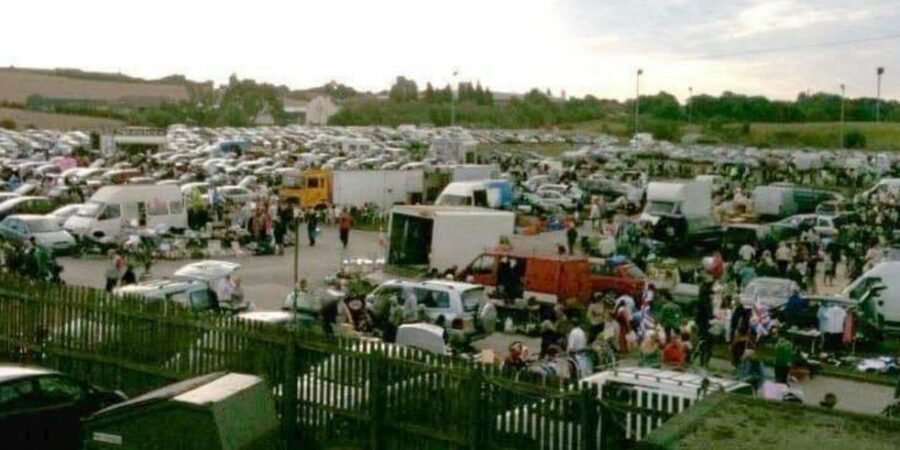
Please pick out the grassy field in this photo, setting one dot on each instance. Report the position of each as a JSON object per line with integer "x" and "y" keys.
{"x": 17, "y": 85}
{"x": 879, "y": 136}
{"x": 24, "y": 118}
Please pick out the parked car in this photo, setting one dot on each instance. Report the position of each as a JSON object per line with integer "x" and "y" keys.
{"x": 46, "y": 231}
{"x": 559, "y": 199}
{"x": 452, "y": 303}
{"x": 26, "y": 205}
{"x": 42, "y": 408}
{"x": 769, "y": 291}
{"x": 64, "y": 212}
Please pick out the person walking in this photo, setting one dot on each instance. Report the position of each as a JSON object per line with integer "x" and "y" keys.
{"x": 112, "y": 271}
{"x": 344, "y": 223}
{"x": 312, "y": 225}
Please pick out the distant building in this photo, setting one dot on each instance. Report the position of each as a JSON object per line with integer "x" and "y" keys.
{"x": 319, "y": 110}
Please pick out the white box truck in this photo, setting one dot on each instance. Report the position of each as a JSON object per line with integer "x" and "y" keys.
{"x": 381, "y": 187}
{"x": 444, "y": 236}
{"x": 680, "y": 213}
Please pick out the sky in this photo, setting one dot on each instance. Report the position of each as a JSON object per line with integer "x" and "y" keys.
{"x": 776, "y": 48}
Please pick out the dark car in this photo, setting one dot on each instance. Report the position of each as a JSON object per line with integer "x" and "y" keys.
{"x": 41, "y": 408}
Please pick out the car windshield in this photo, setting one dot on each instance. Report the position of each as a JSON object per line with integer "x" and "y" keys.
{"x": 91, "y": 209}
{"x": 658, "y": 207}
{"x": 471, "y": 298}
{"x": 43, "y": 226}
{"x": 768, "y": 290}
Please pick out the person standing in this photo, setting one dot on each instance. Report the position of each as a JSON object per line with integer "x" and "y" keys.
{"x": 312, "y": 225}
{"x": 784, "y": 357}
{"x": 112, "y": 271}
{"x": 345, "y": 222}
{"x": 571, "y": 235}
{"x": 576, "y": 340}
{"x": 704, "y": 315}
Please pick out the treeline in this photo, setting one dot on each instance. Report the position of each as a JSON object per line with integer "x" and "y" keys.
{"x": 474, "y": 107}
{"x": 731, "y": 107}
{"x": 238, "y": 104}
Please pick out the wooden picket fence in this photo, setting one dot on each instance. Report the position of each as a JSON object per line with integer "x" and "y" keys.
{"x": 331, "y": 392}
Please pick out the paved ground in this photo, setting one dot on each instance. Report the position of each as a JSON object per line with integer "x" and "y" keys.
{"x": 268, "y": 279}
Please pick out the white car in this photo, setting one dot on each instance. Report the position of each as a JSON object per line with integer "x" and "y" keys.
{"x": 64, "y": 212}
{"x": 569, "y": 191}
{"x": 553, "y": 198}
{"x": 46, "y": 231}
{"x": 769, "y": 291}
{"x": 235, "y": 194}
{"x": 442, "y": 301}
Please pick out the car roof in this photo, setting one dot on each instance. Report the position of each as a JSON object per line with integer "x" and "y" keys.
{"x": 451, "y": 285}
{"x": 29, "y": 217}
{"x": 14, "y": 372}
{"x": 661, "y": 379}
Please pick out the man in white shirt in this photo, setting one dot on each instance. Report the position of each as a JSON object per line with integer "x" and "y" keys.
{"x": 747, "y": 252}
{"x": 577, "y": 340}
{"x": 834, "y": 328}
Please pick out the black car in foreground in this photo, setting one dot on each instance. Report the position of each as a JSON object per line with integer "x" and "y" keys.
{"x": 41, "y": 408}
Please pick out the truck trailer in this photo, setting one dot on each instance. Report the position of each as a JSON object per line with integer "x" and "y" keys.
{"x": 444, "y": 236}
{"x": 319, "y": 188}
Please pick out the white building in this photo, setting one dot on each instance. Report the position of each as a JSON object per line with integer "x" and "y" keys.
{"x": 319, "y": 110}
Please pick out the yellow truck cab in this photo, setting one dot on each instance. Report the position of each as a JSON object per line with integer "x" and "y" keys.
{"x": 310, "y": 188}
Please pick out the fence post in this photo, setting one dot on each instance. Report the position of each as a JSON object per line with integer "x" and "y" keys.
{"x": 589, "y": 417}
{"x": 289, "y": 393}
{"x": 476, "y": 410}
{"x": 378, "y": 404}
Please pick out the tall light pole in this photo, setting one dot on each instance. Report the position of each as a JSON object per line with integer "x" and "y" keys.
{"x": 453, "y": 98}
{"x": 637, "y": 101}
{"x": 878, "y": 73}
{"x": 690, "y": 106}
{"x": 843, "y": 92}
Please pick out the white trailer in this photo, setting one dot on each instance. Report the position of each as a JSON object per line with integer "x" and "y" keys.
{"x": 381, "y": 187}
{"x": 690, "y": 199}
{"x": 444, "y": 236}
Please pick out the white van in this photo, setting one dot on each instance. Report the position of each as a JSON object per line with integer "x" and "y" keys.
{"x": 887, "y": 303}
{"x": 113, "y": 207}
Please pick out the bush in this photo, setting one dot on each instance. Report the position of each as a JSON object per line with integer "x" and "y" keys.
{"x": 9, "y": 124}
{"x": 855, "y": 139}
{"x": 666, "y": 131}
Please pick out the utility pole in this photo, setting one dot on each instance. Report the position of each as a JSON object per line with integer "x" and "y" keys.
{"x": 453, "y": 98}
{"x": 690, "y": 105}
{"x": 637, "y": 101}
{"x": 879, "y": 72}
{"x": 843, "y": 91}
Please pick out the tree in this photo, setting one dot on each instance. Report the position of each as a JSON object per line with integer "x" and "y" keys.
{"x": 404, "y": 90}
{"x": 428, "y": 95}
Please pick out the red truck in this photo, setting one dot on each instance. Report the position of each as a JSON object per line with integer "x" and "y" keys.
{"x": 550, "y": 277}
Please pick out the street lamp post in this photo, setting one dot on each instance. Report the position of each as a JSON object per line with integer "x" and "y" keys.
{"x": 637, "y": 101}
{"x": 843, "y": 92}
{"x": 879, "y": 72}
{"x": 453, "y": 99}
{"x": 690, "y": 106}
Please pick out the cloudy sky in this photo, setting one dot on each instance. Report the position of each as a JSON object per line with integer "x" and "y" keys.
{"x": 772, "y": 47}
